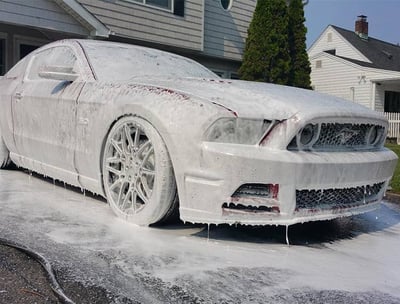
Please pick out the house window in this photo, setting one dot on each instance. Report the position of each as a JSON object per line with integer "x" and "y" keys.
{"x": 329, "y": 37}
{"x": 235, "y": 76}
{"x": 160, "y": 3}
{"x": 318, "y": 64}
{"x": 2, "y": 57}
{"x": 179, "y": 8}
{"x": 332, "y": 51}
{"x": 25, "y": 49}
{"x": 392, "y": 101}
{"x": 226, "y": 4}
{"x": 175, "y": 6}
{"x": 24, "y": 45}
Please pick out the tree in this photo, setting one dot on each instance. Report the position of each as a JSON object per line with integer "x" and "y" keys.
{"x": 300, "y": 65}
{"x": 266, "y": 55}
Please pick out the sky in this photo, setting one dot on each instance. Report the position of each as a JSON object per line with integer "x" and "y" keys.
{"x": 383, "y": 17}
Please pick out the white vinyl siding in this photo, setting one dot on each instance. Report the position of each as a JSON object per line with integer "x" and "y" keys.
{"x": 379, "y": 98}
{"x": 137, "y": 21}
{"x": 342, "y": 47}
{"x": 337, "y": 77}
{"x": 44, "y": 14}
{"x": 225, "y": 32}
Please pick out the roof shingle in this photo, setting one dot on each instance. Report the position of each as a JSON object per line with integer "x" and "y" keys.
{"x": 383, "y": 55}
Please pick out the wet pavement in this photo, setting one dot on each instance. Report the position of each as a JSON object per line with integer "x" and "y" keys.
{"x": 99, "y": 258}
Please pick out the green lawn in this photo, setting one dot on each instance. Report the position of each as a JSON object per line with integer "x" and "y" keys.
{"x": 395, "y": 183}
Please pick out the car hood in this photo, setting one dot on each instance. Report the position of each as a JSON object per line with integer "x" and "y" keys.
{"x": 262, "y": 100}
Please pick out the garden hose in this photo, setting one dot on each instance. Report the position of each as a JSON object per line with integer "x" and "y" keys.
{"x": 55, "y": 286}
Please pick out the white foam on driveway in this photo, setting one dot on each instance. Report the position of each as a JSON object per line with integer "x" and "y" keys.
{"x": 81, "y": 234}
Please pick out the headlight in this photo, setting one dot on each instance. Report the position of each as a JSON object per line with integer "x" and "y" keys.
{"x": 308, "y": 136}
{"x": 374, "y": 135}
{"x": 237, "y": 131}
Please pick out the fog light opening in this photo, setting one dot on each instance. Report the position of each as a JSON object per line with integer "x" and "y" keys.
{"x": 258, "y": 190}
{"x": 254, "y": 198}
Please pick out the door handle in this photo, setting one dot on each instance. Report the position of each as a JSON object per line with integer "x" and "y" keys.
{"x": 18, "y": 95}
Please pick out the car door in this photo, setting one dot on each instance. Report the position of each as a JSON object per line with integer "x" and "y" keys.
{"x": 44, "y": 112}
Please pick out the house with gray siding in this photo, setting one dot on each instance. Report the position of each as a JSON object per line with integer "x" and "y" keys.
{"x": 212, "y": 32}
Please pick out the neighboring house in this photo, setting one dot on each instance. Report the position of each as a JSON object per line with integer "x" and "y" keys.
{"x": 354, "y": 66}
{"x": 213, "y": 32}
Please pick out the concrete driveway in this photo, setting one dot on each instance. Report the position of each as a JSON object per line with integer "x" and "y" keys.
{"x": 350, "y": 260}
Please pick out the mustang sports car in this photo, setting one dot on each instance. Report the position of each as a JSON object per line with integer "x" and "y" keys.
{"x": 154, "y": 133}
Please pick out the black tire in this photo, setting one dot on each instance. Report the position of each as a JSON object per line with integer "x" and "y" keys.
{"x": 138, "y": 177}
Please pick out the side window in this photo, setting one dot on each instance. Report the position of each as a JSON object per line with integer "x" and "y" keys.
{"x": 58, "y": 56}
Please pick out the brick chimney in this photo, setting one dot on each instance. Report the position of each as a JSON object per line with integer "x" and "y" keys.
{"x": 361, "y": 27}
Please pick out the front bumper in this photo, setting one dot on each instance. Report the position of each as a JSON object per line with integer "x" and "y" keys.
{"x": 224, "y": 168}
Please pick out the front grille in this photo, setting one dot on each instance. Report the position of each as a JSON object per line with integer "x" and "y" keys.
{"x": 336, "y": 198}
{"x": 342, "y": 137}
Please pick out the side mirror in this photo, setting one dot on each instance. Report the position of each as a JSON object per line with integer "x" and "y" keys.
{"x": 54, "y": 72}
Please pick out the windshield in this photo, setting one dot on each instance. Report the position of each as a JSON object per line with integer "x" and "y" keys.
{"x": 121, "y": 62}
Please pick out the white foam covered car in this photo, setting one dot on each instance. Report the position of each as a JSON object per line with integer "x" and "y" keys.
{"x": 153, "y": 132}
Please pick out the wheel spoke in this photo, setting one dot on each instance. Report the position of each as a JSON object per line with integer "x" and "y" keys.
{"x": 115, "y": 184}
{"x": 149, "y": 152}
{"x": 146, "y": 156}
{"x": 125, "y": 139}
{"x": 126, "y": 199}
{"x": 146, "y": 171}
{"x": 113, "y": 170}
{"x": 137, "y": 137}
{"x": 120, "y": 195}
{"x": 115, "y": 145}
{"x": 128, "y": 135}
{"x": 146, "y": 189}
{"x": 141, "y": 195}
{"x": 113, "y": 160}
{"x": 134, "y": 199}
{"x": 143, "y": 147}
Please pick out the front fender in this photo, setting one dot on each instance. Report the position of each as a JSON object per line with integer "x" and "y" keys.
{"x": 179, "y": 119}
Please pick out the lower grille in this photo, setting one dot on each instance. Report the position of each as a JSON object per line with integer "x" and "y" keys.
{"x": 336, "y": 198}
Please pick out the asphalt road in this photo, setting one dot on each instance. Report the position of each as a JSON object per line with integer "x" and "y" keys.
{"x": 101, "y": 259}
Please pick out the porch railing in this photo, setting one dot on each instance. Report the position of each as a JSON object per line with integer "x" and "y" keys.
{"x": 394, "y": 125}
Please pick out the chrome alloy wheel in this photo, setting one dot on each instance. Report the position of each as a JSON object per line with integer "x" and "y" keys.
{"x": 137, "y": 172}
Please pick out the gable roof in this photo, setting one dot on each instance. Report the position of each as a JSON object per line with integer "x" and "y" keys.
{"x": 383, "y": 55}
